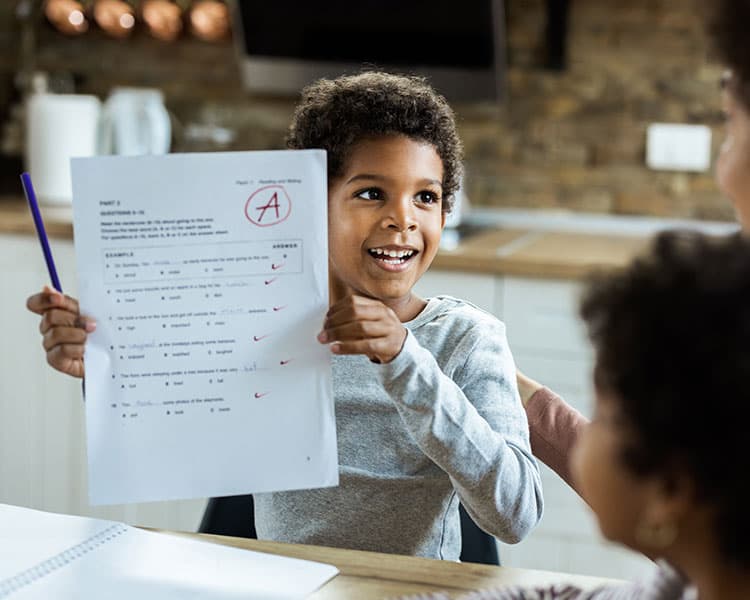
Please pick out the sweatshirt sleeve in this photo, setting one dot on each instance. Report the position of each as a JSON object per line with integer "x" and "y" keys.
{"x": 555, "y": 427}
{"x": 473, "y": 426}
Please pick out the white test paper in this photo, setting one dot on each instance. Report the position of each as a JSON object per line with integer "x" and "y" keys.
{"x": 207, "y": 275}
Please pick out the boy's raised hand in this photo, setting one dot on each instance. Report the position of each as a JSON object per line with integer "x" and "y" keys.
{"x": 359, "y": 325}
{"x": 63, "y": 328}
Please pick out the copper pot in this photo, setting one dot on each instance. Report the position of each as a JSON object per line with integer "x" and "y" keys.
{"x": 116, "y": 17}
{"x": 67, "y": 16}
{"x": 163, "y": 18}
{"x": 209, "y": 20}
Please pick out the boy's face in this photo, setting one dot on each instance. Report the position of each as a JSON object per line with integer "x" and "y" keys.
{"x": 385, "y": 218}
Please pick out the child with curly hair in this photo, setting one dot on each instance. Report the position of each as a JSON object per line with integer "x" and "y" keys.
{"x": 427, "y": 410}
{"x": 662, "y": 461}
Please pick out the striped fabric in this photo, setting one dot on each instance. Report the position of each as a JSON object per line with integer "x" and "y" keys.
{"x": 664, "y": 584}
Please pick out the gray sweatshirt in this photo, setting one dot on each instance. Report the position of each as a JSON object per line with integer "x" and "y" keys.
{"x": 441, "y": 422}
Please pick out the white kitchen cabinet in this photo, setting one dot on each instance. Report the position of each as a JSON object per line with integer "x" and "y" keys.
{"x": 544, "y": 316}
{"x": 42, "y": 432}
{"x": 479, "y": 289}
{"x": 549, "y": 344}
{"x": 547, "y": 338}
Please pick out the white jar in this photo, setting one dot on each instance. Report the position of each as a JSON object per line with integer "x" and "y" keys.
{"x": 59, "y": 127}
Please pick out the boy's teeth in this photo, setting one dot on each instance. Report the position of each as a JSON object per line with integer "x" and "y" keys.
{"x": 392, "y": 253}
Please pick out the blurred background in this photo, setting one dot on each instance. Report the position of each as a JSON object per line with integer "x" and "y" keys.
{"x": 582, "y": 82}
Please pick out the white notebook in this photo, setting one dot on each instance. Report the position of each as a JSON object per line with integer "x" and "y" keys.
{"x": 47, "y": 556}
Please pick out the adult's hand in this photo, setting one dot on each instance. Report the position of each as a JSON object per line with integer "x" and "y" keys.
{"x": 527, "y": 387}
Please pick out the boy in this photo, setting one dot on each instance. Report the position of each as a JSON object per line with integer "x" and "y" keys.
{"x": 427, "y": 409}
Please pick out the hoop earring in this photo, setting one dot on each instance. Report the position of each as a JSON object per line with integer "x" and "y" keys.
{"x": 656, "y": 535}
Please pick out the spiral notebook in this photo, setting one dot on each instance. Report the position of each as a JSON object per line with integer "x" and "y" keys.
{"x": 45, "y": 555}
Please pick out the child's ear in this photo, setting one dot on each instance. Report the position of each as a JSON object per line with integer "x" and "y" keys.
{"x": 671, "y": 496}
{"x": 443, "y": 217}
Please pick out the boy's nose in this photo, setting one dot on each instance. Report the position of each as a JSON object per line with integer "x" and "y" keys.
{"x": 400, "y": 216}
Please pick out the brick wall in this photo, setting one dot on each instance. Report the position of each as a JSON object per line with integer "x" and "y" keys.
{"x": 576, "y": 139}
{"x": 573, "y": 139}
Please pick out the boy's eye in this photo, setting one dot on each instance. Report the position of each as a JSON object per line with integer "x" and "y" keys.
{"x": 370, "y": 194}
{"x": 428, "y": 197}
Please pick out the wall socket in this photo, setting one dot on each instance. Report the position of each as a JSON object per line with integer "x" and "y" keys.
{"x": 678, "y": 147}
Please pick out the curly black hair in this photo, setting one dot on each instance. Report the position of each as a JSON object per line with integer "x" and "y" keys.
{"x": 672, "y": 340}
{"x": 728, "y": 22}
{"x": 335, "y": 114}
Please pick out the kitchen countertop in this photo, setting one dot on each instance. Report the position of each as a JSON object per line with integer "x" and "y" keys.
{"x": 15, "y": 217}
{"x": 518, "y": 251}
{"x": 554, "y": 254}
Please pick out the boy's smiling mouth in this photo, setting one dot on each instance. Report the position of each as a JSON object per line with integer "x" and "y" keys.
{"x": 392, "y": 257}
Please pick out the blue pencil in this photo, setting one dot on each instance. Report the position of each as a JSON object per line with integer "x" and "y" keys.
{"x": 28, "y": 189}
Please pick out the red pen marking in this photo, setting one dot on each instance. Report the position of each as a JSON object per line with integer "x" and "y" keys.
{"x": 270, "y": 281}
{"x": 268, "y": 206}
{"x": 278, "y": 308}
{"x": 257, "y": 338}
{"x": 261, "y": 394}
{"x": 285, "y": 362}
{"x": 274, "y": 266}
{"x": 272, "y": 203}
